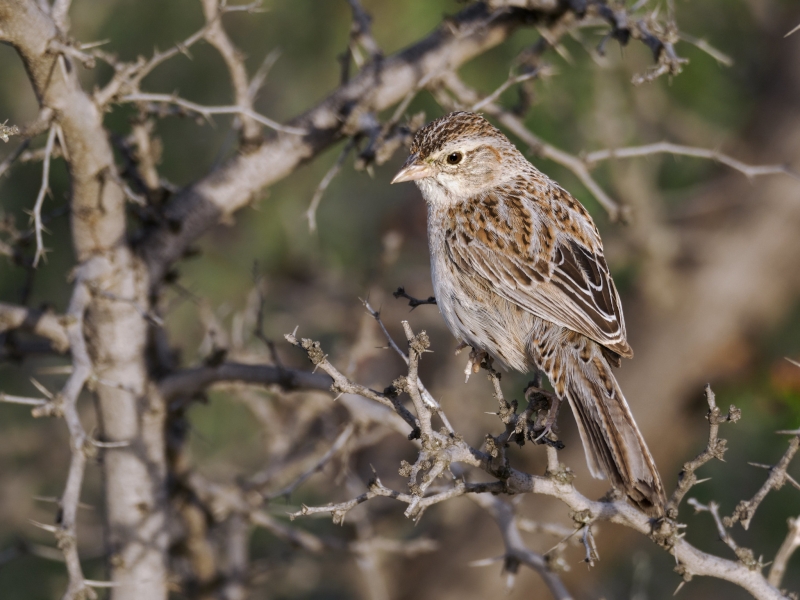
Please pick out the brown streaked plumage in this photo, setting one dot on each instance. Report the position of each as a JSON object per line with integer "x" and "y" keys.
{"x": 519, "y": 272}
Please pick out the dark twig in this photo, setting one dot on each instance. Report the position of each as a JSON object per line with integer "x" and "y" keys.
{"x": 426, "y": 395}
{"x": 412, "y": 302}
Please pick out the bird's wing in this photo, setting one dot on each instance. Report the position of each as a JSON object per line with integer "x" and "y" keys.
{"x": 560, "y": 276}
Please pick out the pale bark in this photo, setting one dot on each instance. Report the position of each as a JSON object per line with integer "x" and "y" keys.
{"x": 129, "y": 411}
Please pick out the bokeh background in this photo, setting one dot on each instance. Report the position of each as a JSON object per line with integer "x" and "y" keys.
{"x": 709, "y": 271}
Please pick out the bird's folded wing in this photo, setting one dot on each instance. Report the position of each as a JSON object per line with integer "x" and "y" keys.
{"x": 571, "y": 287}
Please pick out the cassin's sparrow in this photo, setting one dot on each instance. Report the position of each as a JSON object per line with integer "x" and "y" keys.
{"x": 518, "y": 272}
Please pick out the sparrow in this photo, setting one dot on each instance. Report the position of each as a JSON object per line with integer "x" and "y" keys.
{"x": 519, "y": 273}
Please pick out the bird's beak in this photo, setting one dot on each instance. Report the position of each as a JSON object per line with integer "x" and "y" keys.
{"x": 412, "y": 170}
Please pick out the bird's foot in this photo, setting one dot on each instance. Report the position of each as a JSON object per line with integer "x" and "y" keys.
{"x": 546, "y": 404}
{"x": 476, "y": 359}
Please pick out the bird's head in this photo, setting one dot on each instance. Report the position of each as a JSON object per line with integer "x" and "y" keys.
{"x": 457, "y": 156}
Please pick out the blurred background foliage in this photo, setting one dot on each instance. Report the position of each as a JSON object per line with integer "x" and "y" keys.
{"x": 371, "y": 239}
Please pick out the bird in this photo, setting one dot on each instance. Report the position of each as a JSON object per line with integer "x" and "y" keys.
{"x": 519, "y": 273}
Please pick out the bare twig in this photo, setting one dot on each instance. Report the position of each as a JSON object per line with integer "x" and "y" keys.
{"x": 22, "y": 400}
{"x": 189, "y": 382}
{"x": 260, "y": 75}
{"x": 746, "y": 509}
{"x": 361, "y": 33}
{"x": 66, "y": 404}
{"x": 343, "y": 385}
{"x": 469, "y": 97}
{"x": 750, "y": 171}
{"x": 745, "y": 555}
{"x": 339, "y": 510}
{"x": 88, "y": 60}
{"x": 208, "y": 111}
{"x": 128, "y": 76}
{"x": 426, "y": 395}
{"x": 703, "y": 45}
{"x": 311, "y": 212}
{"x": 512, "y": 80}
{"x": 36, "y": 214}
{"x": 516, "y": 550}
{"x": 338, "y": 444}
{"x": 788, "y": 547}
{"x": 412, "y": 302}
{"x": 715, "y": 448}
{"x": 216, "y": 36}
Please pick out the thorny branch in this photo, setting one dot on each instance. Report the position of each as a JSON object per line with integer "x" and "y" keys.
{"x": 426, "y": 395}
{"x": 516, "y": 551}
{"x": 64, "y": 404}
{"x": 208, "y": 111}
{"x": 715, "y": 449}
{"x": 746, "y": 509}
{"x": 438, "y": 453}
{"x": 216, "y": 36}
{"x": 350, "y": 112}
{"x": 745, "y": 555}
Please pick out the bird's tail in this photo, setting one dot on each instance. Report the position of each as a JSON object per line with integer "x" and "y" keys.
{"x": 613, "y": 444}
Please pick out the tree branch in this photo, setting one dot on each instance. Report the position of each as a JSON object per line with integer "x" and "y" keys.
{"x": 516, "y": 550}
{"x": 216, "y": 36}
{"x": 715, "y": 448}
{"x": 378, "y": 86}
{"x": 189, "y": 382}
{"x": 39, "y": 322}
{"x": 746, "y": 509}
{"x": 749, "y": 171}
{"x": 789, "y": 545}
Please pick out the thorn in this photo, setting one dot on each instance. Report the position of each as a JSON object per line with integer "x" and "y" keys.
{"x": 788, "y": 431}
{"x": 45, "y": 392}
{"x": 50, "y": 528}
{"x": 759, "y": 465}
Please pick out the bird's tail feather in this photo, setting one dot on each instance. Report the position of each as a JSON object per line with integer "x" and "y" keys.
{"x": 613, "y": 444}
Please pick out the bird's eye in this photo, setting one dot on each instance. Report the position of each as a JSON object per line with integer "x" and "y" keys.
{"x": 454, "y": 158}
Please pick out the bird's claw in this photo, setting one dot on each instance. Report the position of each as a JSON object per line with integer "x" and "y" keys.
{"x": 476, "y": 358}
{"x": 547, "y": 406}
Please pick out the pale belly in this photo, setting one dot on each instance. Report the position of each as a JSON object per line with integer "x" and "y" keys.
{"x": 483, "y": 319}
